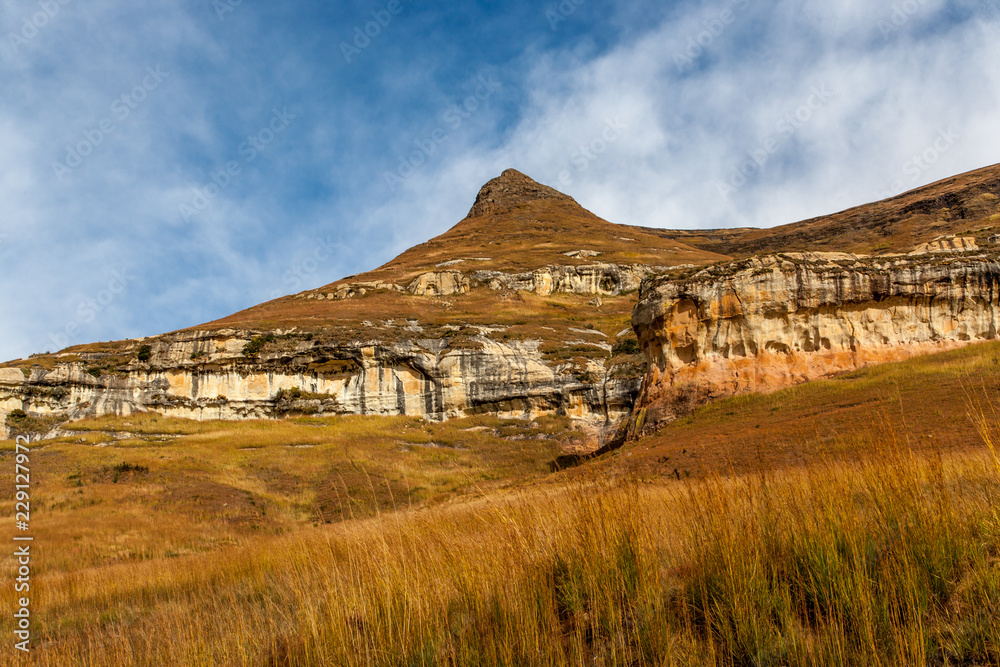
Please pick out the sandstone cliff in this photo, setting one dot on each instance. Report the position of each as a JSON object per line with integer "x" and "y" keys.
{"x": 204, "y": 375}
{"x": 523, "y": 307}
{"x": 441, "y": 331}
{"x": 769, "y": 322}
{"x": 592, "y": 279}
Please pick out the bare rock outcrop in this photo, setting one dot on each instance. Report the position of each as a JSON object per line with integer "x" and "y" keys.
{"x": 439, "y": 283}
{"x": 947, "y": 244}
{"x": 208, "y": 375}
{"x": 596, "y": 279}
{"x": 599, "y": 279}
{"x": 769, "y": 322}
{"x": 508, "y": 190}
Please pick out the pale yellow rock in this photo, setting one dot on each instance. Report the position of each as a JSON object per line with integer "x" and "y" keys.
{"x": 509, "y": 378}
{"x": 439, "y": 283}
{"x": 596, "y": 279}
{"x": 11, "y": 376}
{"x": 769, "y": 322}
{"x": 947, "y": 244}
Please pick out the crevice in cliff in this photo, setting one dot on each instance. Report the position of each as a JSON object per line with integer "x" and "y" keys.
{"x": 798, "y": 321}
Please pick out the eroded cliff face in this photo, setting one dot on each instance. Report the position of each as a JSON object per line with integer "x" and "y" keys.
{"x": 595, "y": 279}
{"x": 766, "y": 323}
{"x": 208, "y": 375}
{"x": 521, "y": 310}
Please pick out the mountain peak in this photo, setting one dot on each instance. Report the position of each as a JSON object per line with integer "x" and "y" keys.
{"x": 510, "y": 189}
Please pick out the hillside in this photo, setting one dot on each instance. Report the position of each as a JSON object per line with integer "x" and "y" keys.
{"x": 183, "y": 543}
{"x": 963, "y": 205}
{"x": 531, "y": 305}
{"x": 519, "y": 237}
{"x": 925, "y": 403}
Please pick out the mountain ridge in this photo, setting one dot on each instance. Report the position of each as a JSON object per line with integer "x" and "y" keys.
{"x": 524, "y": 308}
{"x": 951, "y": 205}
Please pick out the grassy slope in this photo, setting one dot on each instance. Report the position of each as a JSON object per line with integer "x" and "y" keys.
{"x": 883, "y": 558}
{"x": 966, "y": 204}
{"x": 387, "y": 314}
{"x": 925, "y": 397}
{"x": 149, "y": 487}
{"x": 889, "y": 562}
{"x": 533, "y": 235}
{"x": 536, "y": 234}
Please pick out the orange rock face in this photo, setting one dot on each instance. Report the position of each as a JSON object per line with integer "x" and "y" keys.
{"x": 766, "y": 323}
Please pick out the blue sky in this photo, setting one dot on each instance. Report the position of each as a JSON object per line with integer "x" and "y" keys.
{"x": 163, "y": 164}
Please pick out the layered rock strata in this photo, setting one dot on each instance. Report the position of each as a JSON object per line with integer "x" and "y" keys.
{"x": 208, "y": 376}
{"x": 596, "y": 279}
{"x": 770, "y": 322}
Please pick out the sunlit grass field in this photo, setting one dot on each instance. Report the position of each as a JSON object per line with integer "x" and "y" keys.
{"x": 452, "y": 544}
{"x": 926, "y": 398}
{"x": 129, "y": 489}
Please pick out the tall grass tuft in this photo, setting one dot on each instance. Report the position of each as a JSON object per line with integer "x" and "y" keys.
{"x": 890, "y": 560}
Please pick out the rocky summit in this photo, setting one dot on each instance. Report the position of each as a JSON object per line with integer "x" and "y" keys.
{"x": 509, "y": 190}
{"x": 532, "y": 305}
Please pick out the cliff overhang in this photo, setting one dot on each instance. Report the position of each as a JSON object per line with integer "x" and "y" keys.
{"x": 769, "y": 322}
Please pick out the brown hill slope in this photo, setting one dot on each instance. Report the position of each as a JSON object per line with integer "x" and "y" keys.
{"x": 965, "y": 204}
{"x": 516, "y": 225}
{"x": 522, "y": 308}
{"x": 528, "y": 226}
{"x": 927, "y": 404}
{"x": 519, "y": 225}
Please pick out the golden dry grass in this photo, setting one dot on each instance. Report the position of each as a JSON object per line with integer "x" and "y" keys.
{"x": 891, "y": 560}
{"x": 890, "y": 556}
{"x": 925, "y": 396}
{"x": 202, "y": 485}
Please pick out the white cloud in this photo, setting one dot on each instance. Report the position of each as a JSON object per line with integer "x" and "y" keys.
{"x": 681, "y": 130}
